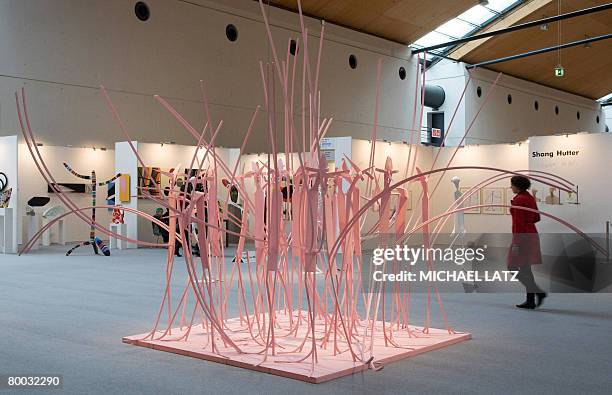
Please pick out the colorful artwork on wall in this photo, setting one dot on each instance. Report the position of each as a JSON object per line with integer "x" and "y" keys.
{"x": 118, "y": 216}
{"x": 5, "y": 197}
{"x": 5, "y": 192}
{"x": 124, "y": 188}
{"x": 68, "y": 187}
{"x": 110, "y": 195}
{"x": 3, "y": 181}
{"x": 149, "y": 181}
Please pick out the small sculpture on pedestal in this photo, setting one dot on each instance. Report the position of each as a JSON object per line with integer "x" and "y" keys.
{"x": 459, "y": 226}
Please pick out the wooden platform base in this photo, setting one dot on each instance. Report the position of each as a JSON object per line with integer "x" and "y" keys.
{"x": 286, "y": 361}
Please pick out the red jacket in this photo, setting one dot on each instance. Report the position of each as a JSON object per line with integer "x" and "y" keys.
{"x": 525, "y": 249}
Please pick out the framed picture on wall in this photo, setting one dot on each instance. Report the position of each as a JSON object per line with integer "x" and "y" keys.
{"x": 493, "y": 196}
{"x": 395, "y": 201}
{"x": 473, "y": 200}
{"x": 508, "y": 199}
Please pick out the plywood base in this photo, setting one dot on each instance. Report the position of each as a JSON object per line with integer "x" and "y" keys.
{"x": 286, "y": 361}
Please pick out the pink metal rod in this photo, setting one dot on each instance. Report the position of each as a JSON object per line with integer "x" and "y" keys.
{"x": 560, "y": 220}
{"x": 27, "y": 247}
{"x": 298, "y": 300}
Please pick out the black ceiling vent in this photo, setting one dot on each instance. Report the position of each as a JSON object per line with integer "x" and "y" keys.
{"x": 402, "y": 73}
{"x": 353, "y": 62}
{"x": 141, "y": 9}
{"x": 231, "y": 32}
{"x": 293, "y": 47}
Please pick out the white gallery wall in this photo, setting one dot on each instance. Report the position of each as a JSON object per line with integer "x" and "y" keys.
{"x": 62, "y": 50}
{"x": 83, "y": 161}
{"x": 588, "y": 167}
{"x": 9, "y": 159}
{"x": 608, "y": 115}
{"x": 502, "y": 122}
{"x": 501, "y": 156}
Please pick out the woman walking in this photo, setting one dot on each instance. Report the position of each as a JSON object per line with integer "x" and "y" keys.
{"x": 525, "y": 249}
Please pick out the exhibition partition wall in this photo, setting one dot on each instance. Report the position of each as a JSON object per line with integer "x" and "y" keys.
{"x": 580, "y": 158}
{"x": 82, "y": 161}
{"x": 483, "y": 220}
{"x": 585, "y": 160}
{"x": 9, "y": 194}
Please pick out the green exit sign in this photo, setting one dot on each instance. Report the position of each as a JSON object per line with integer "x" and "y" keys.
{"x": 559, "y": 71}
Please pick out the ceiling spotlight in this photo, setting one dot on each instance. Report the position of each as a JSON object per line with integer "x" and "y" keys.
{"x": 544, "y": 27}
{"x": 559, "y": 71}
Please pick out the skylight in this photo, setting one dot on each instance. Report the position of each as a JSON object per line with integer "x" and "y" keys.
{"x": 477, "y": 15}
{"x": 606, "y": 98}
{"x": 466, "y": 24}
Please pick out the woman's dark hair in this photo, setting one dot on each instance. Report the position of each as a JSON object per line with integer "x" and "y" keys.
{"x": 521, "y": 182}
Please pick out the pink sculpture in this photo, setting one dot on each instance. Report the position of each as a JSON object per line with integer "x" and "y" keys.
{"x": 291, "y": 302}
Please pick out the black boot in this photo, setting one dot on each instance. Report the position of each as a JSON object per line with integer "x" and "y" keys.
{"x": 529, "y": 303}
{"x": 540, "y": 298}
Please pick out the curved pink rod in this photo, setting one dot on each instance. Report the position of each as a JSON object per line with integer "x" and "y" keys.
{"x": 115, "y": 113}
{"x": 193, "y": 132}
{"x": 197, "y": 220}
{"x": 375, "y": 125}
{"x": 40, "y": 164}
{"x": 373, "y": 200}
{"x": 490, "y": 181}
{"x": 271, "y": 41}
{"x": 412, "y": 128}
{"x": 38, "y": 234}
{"x": 450, "y": 124}
{"x": 305, "y": 39}
{"x": 484, "y": 102}
{"x": 205, "y": 104}
{"x": 319, "y": 55}
{"x": 199, "y": 145}
{"x": 416, "y": 151}
{"x": 561, "y": 221}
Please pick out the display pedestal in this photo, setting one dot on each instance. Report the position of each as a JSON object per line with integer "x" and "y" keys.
{"x": 236, "y": 214}
{"x": 6, "y": 227}
{"x": 115, "y": 243}
{"x": 34, "y": 223}
{"x": 61, "y": 233}
{"x": 329, "y": 366}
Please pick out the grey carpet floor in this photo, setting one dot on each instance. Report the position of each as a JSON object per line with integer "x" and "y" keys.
{"x": 67, "y": 315}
